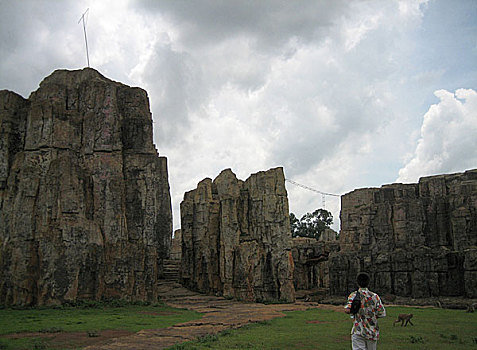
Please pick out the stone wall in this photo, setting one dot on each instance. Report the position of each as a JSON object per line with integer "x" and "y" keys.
{"x": 85, "y": 210}
{"x": 416, "y": 240}
{"x": 310, "y": 257}
{"x": 236, "y": 237}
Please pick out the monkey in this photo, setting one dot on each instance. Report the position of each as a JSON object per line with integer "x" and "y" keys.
{"x": 404, "y": 317}
{"x": 471, "y": 307}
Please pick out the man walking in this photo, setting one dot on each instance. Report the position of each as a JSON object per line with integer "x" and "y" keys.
{"x": 365, "y": 332}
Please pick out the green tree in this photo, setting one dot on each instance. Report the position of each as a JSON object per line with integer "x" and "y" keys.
{"x": 294, "y": 224}
{"x": 311, "y": 224}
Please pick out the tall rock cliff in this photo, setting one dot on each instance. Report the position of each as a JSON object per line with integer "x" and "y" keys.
{"x": 417, "y": 240}
{"x": 236, "y": 238}
{"x": 85, "y": 209}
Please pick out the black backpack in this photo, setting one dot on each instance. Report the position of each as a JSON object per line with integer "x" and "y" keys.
{"x": 355, "y": 304}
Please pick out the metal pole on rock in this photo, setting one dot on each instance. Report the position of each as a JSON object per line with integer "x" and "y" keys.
{"x": 85, "y": 39}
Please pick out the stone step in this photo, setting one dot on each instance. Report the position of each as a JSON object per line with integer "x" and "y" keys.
{"x": 171, "y": 272}
{"x": 171, "y": 268}
{"x": 172, "y": 261}
{"x": 173, "y": 265}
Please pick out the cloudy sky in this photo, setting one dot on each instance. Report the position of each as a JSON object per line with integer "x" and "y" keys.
{"x": 343, "y": 94}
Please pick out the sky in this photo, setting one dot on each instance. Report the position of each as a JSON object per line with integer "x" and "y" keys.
{"x": 341, "y": 94}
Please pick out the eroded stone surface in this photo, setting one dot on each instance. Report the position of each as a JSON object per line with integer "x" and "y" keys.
{"x": 417, "y": 240}
{"x": 85, "y": 203}
{"x": 236, "y": 237}
{"x": 310, "y": 257}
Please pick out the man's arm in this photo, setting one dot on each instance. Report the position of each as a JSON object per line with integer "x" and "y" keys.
{"x": 348, "y": 303}
{"x": 380, "y": 310}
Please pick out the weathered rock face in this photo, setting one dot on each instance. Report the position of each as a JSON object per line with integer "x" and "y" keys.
{"x": 13, "y": 116}
{"x": 236, "y": 237}
{"x": 417, "y": 240}
{"x": 176, "y": 245}
{"x": 84, "y": 197}
{"x": 310, "y": 257}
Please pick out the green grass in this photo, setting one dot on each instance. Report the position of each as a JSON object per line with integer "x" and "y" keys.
{"x": 312, "y": 329}
{"x": 90, "y": 320}
{"x": 324, "y": 329}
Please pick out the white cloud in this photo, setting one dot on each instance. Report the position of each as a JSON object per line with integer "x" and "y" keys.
{"x": 448, "y": 140}
{"x": 309, "y": 87}
{"x": 412, "y": 9}
{"x": 328, "y": 89}
{"x": 356, "y": 28}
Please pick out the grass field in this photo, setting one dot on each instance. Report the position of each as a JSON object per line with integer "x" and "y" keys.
{"x": 326, "y": 329}
{"x": 312, "y": 329}
{"x": 88, "y": 321}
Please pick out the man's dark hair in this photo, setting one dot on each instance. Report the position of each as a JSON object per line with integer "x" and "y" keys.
{"x": 363, "y": 280}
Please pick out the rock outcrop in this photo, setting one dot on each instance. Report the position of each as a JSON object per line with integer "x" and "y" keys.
{"x": 310, "y": 257}
{"x": 236, "y": 237}
{"x": 84, "y": 196}
{"x": 416, "y": 240}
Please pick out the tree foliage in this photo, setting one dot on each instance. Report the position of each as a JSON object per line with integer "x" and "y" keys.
{"x": 311, "y": 224}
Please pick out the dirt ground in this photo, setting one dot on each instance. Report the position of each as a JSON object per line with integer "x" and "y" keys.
{"x": 219, "y": 314}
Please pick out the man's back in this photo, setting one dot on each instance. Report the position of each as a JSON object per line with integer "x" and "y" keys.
{"x": 365, "y": 322}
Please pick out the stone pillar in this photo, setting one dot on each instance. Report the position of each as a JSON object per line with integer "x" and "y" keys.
{"x": 86, "y": 210}
{"x": 236, "y": 238}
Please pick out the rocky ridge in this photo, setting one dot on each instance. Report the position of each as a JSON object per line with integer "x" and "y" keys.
{"x": 417, "y": 240}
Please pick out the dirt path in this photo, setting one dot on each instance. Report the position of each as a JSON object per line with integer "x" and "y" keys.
{"x": 219, "y": 314}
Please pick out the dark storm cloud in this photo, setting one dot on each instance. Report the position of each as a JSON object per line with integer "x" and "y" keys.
{"x": 36, "y": 37}
{"x": 334, "y": 91}
{"x": 270, "y": 23}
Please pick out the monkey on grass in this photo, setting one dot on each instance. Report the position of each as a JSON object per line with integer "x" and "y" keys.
{"x": 404, "y": 318}
{"x": 471, "y": 307}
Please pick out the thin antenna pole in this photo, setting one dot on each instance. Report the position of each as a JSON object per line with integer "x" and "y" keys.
{"x": 84, "y": 30}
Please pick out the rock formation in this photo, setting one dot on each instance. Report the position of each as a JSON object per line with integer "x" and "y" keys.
{"x": 176, "y": 245}
{"x": 236, "y": 237}
{"x": 84, "y": 196}
{"x": 310, "y": 257}
{"x": 416, "y": 240}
